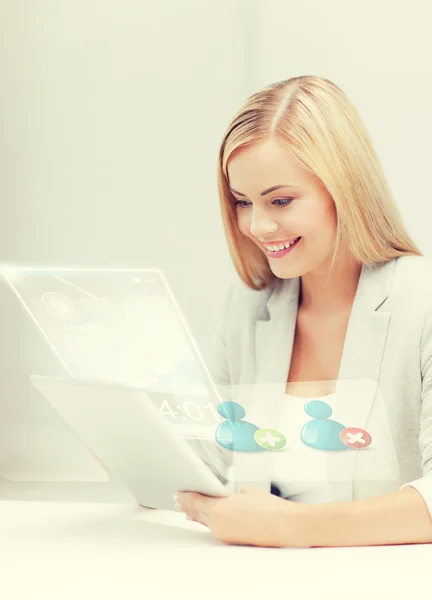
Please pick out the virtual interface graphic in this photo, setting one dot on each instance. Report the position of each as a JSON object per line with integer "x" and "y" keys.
{"x": 120, "y": 326}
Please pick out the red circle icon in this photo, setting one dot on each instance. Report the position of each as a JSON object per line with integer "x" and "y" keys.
{"x": 354, "y": 437}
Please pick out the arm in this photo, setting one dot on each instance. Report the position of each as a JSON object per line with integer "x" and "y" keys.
{"x": 401, "y": 517}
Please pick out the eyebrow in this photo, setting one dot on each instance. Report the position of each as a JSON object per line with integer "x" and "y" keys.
{"x": 265, "y": 192}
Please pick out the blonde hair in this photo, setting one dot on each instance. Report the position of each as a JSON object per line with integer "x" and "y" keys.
{"x": 315, "y": 120}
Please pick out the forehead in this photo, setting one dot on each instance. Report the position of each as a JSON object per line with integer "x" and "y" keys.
{"x": 264, "y": 165}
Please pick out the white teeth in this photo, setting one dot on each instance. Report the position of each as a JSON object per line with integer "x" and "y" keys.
{"x": 276, "y": 247}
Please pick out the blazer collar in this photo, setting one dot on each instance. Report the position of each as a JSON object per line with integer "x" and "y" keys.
{"x": 372, "y": 290}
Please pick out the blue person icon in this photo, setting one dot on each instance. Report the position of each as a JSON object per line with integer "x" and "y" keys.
{"x": 234, "y": 433}
{"x": 321, "y": 432}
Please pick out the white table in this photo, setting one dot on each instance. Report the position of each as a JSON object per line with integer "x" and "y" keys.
{"x": 59, "y": 550}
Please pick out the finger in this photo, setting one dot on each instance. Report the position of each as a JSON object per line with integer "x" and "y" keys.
{"x": 194, "y": 502}
{"x": 198, "y": 506}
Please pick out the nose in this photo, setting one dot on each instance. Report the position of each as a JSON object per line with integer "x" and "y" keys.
{"x": 261, "y": 225}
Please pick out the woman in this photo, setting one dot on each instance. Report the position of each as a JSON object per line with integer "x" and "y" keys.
{"x": 335, "y": 303}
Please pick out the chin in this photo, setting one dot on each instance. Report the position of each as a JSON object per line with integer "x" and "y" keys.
{"x": 287, "y": 273}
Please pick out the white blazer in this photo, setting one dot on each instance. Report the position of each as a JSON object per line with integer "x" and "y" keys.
{"x": 384, "y": 383}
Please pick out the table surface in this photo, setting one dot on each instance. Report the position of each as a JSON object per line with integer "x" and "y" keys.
{"x": 66, "y": 550}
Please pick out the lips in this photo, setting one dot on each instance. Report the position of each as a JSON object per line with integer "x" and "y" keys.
{"x": 284, "y": 251}
{"x": 275, "y": 244}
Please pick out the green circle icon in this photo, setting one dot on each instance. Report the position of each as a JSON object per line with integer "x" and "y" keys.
{"x": 270, "y": 439}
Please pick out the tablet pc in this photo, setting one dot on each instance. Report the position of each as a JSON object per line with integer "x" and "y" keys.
{"x": 123, "y": 428}
{"x": 121, "y": 326}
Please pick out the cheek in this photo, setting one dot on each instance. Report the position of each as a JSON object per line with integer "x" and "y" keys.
{"x": 331, "y": 221}
{"x": 243, "y": 222}
{"x": 319, "y": 222}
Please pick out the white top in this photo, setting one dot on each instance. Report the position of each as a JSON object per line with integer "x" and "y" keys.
{"x": 299, "y": 470}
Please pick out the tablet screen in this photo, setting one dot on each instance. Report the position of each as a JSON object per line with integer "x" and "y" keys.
{"x": 121, "y": 326}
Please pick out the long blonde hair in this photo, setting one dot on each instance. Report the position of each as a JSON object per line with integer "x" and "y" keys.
{"x": 315, "y": 120}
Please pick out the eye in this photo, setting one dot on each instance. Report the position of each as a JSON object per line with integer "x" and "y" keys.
{"x": 283, "y": 201}
{"x": 241, "y": 203}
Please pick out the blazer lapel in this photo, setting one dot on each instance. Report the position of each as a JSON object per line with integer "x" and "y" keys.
{"x": 360, "y": 367}
{"x": 361, "y": 357}
{"x": 274, "y": 337}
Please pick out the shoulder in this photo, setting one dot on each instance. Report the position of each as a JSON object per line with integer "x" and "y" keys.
{"x": 411, "y": 295}
{"x": 412, "y": 280}
{"x": 414, "y": 269}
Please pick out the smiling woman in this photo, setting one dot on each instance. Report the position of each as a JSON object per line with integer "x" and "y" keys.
{"x": 321, "y": 339}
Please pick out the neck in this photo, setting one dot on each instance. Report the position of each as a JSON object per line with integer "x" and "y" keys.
{"x": 324, "y": 293}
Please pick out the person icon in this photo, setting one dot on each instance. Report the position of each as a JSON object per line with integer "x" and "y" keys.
{"x": 321, "y": 432}
{"x": 242, "y": 436}
{"x": 234, "y": 433}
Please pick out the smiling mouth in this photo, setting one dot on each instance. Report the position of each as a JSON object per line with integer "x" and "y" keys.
{"x": 278, "y": 250}
{"x": 276, "y": 246}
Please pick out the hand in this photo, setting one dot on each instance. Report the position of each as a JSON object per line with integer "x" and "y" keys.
{"x": 253, "y": 517}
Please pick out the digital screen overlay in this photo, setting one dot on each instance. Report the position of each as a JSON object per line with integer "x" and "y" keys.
{"x": 121, "y": 326}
